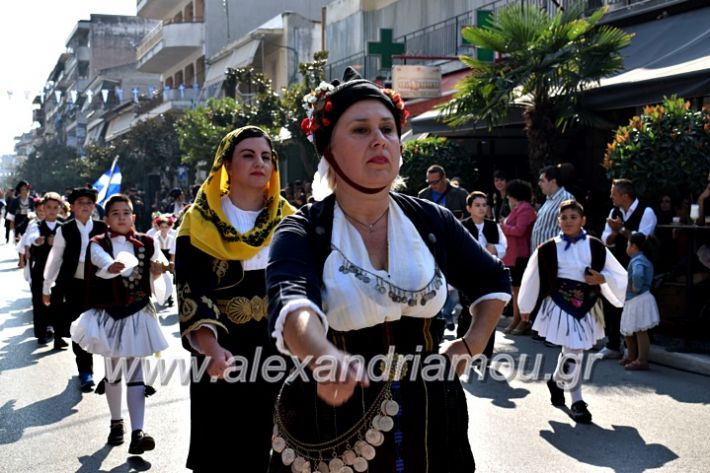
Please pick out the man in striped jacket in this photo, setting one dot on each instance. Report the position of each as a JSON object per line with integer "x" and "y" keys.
{"x": 546, "y": 225}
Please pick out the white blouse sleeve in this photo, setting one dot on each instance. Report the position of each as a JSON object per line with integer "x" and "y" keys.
{"x": 32, "y": 234}
{"x": 614, "y": 289}
{"x": 54, "y": 262}
{"x": 101, "y": 260}
{"x": 530, "y": 286}
{"x": 162, "y": 284}
{"x": 293, "y": 306}
{"x": 502, "y": 245}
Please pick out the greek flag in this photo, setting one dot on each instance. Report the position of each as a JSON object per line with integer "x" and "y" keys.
{"x": 108, "y": 184}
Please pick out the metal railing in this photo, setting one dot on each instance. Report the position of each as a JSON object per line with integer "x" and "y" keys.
{"x": 440, "y": 39}
{"x": 444, "y": 38}
{"x": 156, "y": 34}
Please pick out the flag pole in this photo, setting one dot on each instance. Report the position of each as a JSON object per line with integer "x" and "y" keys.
{"x": 113, "y": 166}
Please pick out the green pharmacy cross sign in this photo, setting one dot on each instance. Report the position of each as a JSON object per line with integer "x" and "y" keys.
{"x": 385, "y": 48}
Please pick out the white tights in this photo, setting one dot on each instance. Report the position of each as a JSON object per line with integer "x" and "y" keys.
{"x": 568, "y": 373}
{"x": 131, "y": 370}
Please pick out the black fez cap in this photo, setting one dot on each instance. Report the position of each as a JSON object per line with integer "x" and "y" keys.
{"x": 352, "y": 89}
{"x": 82, "y": 192}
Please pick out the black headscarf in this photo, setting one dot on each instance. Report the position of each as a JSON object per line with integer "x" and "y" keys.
{"x": 351, "y": 89}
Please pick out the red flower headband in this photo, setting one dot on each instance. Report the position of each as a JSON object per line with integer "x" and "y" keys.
{"x": 318, "y": 104}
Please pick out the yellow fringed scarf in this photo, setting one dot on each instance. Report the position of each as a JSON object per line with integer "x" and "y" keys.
{"x": 208, "y": 227}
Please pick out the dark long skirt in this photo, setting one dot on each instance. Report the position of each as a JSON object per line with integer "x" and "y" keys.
{"x": 430, "y": 431}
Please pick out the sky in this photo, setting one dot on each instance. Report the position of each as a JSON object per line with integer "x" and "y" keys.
{"x": 33, "y": 33}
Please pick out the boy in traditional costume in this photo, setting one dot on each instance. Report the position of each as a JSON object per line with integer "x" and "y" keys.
{"x": 566, "y": 276}
{"x": 122, "y": 325}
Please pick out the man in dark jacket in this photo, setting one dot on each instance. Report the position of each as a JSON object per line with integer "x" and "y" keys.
{"x": 440, "y": 191}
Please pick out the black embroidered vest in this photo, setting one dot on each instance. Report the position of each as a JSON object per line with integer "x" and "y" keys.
{"x": 632, "y": 223}
{"x": 490, "y": 230}
{"x": 548, "y": 266}
{"x": 72, "y": 236}
{"x": 40, "y": 253}
{"x": 120, "y": 296}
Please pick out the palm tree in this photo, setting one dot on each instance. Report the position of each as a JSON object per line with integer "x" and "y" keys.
{"x": 545, "y": 63}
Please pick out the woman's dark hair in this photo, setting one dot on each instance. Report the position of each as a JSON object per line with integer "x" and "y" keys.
{"x": 647, "y": 244}
{"x": 519, "y": 190}
{"x": 500, "y": 174}
{"x": 248, "y": 132}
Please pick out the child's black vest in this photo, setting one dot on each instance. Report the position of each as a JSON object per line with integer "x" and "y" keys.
{"x": 548, "y": 266}
{"x": 490, "y": 230}
{"x": 72, "y": 250}
{"x": 40, "y": 253}
{"x": 120, "y": 296}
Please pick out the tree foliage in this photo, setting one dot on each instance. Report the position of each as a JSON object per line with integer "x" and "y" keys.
{"x": 665, "y": 149}
{"x": 200, "y": 130}
{"x": 313, "y": 73}
{"x": 418, "y": 155}
{"x": 149, "y": 147}
{"x": 546, "y": 62}
{"x": 52, "y": 166}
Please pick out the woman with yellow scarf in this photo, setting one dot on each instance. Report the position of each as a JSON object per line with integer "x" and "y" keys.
{"x": 221, "y": 255}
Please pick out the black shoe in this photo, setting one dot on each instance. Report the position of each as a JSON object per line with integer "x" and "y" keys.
{"x": 43, "y": 340}
{"x": 549, "y": 344}
{"x": 140, "y": 442}
{"x": 115, "y": 436}
{"x": 537, "y": 338}
{"x": 59, "y": 343}
{"x": 580, "y": 414}
{"x": 557, "y": 394}
{"x": 86, "y": 382}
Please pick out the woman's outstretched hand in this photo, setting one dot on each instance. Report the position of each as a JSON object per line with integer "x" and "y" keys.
{"x": 458, "y": 355}
{"x": 337, "y": 376}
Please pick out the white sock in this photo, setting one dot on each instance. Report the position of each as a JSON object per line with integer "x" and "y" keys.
{"x": 114, "y": 391}
{"x": 135, "y": 396}
{"x": 569, "y": 377}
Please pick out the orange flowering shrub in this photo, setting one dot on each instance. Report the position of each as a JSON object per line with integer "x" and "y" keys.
{"x": 666, "y": 148}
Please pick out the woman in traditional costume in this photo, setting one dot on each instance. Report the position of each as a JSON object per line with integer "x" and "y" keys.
{"x": 220, "y": 261}
{"x": 363, "y": 272}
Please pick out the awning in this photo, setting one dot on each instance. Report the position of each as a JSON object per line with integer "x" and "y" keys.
{"x": 665, "y": 57}
{"x": 239, "y": 57}
{"x": 120, "y": 124}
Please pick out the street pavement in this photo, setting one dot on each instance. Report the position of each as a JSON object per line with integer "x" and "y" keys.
{"x": 657, "y": 420}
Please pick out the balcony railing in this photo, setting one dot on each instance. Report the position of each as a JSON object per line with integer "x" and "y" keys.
{"x": 441, "y": 39}
{"x": 184, "y": 99}
{"x": 553, "y": 5}
{"x": 149, "y": 41}
{"x": 444, "y": 39}
{"x": 168, "y": 43}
